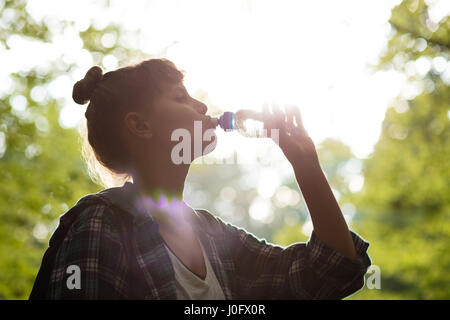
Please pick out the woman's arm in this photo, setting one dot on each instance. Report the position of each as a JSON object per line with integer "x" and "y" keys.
{"x": 262, "y": 270}
{"x": 328, "y": 221}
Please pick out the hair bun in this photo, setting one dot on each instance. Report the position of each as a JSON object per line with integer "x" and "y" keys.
{"x": 82, "y": 90}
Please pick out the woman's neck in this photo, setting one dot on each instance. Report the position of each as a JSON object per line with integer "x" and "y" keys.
{"x": 157, "y": 181}
{"x": 163, "y": 181}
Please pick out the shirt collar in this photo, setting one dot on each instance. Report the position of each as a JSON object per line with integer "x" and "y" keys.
{"x": 128, "y": 199}
{"x": 124, "y": 197}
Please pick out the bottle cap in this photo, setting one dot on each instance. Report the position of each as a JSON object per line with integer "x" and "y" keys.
{"x": 226, "y": 120}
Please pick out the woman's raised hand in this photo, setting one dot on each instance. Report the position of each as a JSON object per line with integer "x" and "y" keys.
{"x": 292, "y": 138}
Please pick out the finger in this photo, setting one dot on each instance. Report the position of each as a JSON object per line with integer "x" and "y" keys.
{"x": 281, "y": 124}
{"x": 289, "y": 114}
{"x": 282, "y": 139}
{"x": 290, "y": 119}
{"x": 279, "y": 116}
{"x": 298, "y": 119}
{"x": 276, "y": 121}
{"x": 268, "y": 118}
{"x": 265, "y": 109}
{"x": 251, "y": 114}
{"x": 266, "y": 113}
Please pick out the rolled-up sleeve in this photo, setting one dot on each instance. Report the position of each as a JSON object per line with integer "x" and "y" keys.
{"x": 326, "y": 273}
{"x": 301, "y": 270}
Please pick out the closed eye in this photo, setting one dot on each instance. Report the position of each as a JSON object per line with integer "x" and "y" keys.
{"x": 181, "y": 95}
{"x": 182, "y": 98}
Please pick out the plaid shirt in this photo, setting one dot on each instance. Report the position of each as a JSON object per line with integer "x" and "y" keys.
{"x": 121, "y": 255}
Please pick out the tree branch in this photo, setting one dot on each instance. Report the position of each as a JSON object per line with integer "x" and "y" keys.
{"x": 440, "y": 43}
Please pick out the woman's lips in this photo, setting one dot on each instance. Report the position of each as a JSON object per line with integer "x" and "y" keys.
{"x": 214, "y": 121}
{"x": 211, "y": 122}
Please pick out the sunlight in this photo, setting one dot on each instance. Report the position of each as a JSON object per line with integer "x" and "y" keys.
{"x": 244, "y": 55}
{"x": 269, "y": 60}
{"x": 261, "y": 210}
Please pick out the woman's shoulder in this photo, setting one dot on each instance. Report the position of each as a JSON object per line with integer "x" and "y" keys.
{"x": 90, "y": 214}
{"x": 94, "y": 211}
{"x": 88, "y": 207}
{"x": 210, "y": 222}
{"x": 90, "y": 237}
{"x": 214, "y": 224}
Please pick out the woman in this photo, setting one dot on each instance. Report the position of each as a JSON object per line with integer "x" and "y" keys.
{"x": 141, "y": 241}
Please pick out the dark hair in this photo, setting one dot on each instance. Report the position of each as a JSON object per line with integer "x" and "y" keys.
{"x": 111, "y": 96}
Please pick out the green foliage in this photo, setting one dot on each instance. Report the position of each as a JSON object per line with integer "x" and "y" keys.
{"x": 409, "y": 173}
{"x": 27, "y": 211}
{"x": 403, "y": 209}
{"x": 289, "y": 235}
{"x": 41, "y": 169}
{"x": 17, "y": 21}
{"x": 416, "y": 35}
{"x": 406, "y": 197}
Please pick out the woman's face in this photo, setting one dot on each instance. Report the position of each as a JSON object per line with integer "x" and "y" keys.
{"x": 179, "y": 121}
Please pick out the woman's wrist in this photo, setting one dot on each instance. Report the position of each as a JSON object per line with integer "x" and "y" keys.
{"x": 306, "y": 167}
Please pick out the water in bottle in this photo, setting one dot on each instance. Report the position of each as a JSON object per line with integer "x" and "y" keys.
{"x": 249, "y": 123}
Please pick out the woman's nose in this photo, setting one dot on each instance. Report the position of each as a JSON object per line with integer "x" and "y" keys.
{"x": 201, "y": 107}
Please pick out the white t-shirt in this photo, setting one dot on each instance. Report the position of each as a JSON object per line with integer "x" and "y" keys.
{"x": 189, "y": 286}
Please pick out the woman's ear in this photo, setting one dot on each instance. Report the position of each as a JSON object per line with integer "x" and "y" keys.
{"x": 137, "y": 125}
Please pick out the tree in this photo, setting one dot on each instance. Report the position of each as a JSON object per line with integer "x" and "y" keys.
{"x": 403, "y": 208}
{"x": 406, "y": 196}
{"x": 41, "y": 169}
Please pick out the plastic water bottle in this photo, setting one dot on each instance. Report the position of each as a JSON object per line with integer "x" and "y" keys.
{"x": 249, "y": 123}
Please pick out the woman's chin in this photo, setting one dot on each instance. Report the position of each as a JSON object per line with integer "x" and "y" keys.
{"x": 209, "y": 146}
